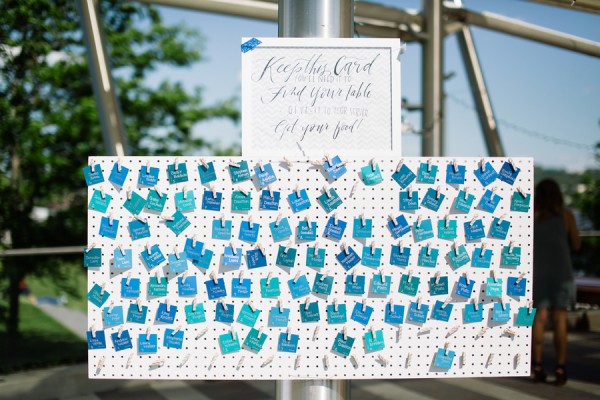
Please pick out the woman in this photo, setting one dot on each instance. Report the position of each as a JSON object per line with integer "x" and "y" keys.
{"x": 555, "y": 236}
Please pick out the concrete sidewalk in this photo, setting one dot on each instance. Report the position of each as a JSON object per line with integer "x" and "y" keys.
{"x": 74, "y": 320}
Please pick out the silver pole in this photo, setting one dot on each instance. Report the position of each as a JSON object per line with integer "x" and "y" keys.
{"x": 432, "y": 79}
{"x": 480, "y": 93}
{"x": 109, "y": 110}
{"x": 317, "y": 19}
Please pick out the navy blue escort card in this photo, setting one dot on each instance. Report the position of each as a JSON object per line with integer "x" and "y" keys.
{"x": 348, "y": 258}
{"x": 121, "y": 340}
{"x": 486, "y": 173}
{"x": 409, "y": 200}
{"x": 361, "y": 313}
{"x": 474, "y": 229}
{"x": 299, "y": 200}
{"x": 489, "y": 201}
{"x": 166, "y": 315}
{"x": 403, "y": 176}
{"x": 509, "y": 172}
{"x": 224, "y": 313}
{"x": 118, "y": 174}
{"x": 139, "y": 229}
{"x": 433, "y": 199}
{"x": 177, "y": 173}
{"x": 516, "y": 286}
{"x": 334, "y": 167}
{"x": 394, "y": 314}
{"x": 255, "y": 259}
{"x": 464, "y": 287}
{"x": 455, "y": 174}
{"x": 241, "y": 287}
{"x": 265, "y": 174}
{"x": 269, "y": 201}
{"x": 335, "y": 228}
{"x": 215, "y": 290}
{"x": 96, "y": 340}
{"x": 211, "y": 201}
{"x": 399, "y": 226}
{"x": 400, "y": 256}
{"x": 417, "y": 313}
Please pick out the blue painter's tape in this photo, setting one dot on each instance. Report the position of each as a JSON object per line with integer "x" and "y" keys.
{"x": 250, "y": 45}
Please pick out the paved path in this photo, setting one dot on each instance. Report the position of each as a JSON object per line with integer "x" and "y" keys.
{"x": 74, "y": 320}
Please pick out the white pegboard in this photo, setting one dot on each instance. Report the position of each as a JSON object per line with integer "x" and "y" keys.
{"x": 494, "y": 353}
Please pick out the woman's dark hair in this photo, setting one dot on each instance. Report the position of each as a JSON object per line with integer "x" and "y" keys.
{"x": 548, "y": 198}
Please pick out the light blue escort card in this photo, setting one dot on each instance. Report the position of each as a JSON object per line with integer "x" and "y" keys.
{"x": 336, "y": 316}
{"x": 109, "y": 228}
{"x": 422, "y": 230}
{"x": 516, "y": 286}
{"x": 374, "y": 341}
{"x": 177, "y": 262}
{"x": 348, "y": 258}
{"x": 98, "y": 203}
{"x": 148, "y": 176}
{"x": 381, "y": 286}
{"x": 371, "y": 257}
{"x": 224, "y": 314}
{"x": 270, "y": 288}
{"x": 207, "y": 173}
{"x": 215, "y": 290}
{"x": 455, "y": 175}
{"x": 118, "y": 174}
{"x": 299, "y": 200}
{"x": 97, "y": 295}
{"x": 322, "y": 284}
{"x": 464, "y": 201}
{"x": 464, "y": 288}
{"x": 255, "y": 340}
{"x": 400, "y": 256}
{"x": 427, "y": 173}
{"x": 204, "y": 261}
{"x": 310, "y": 313}
{"x": 137, "y": 315}
{"x": 113, "y": 315}
{"x": 315, "y": 260}
{"x": 486, "y": 174}
{"x": 525, "y": 317}
{"x": 177, "y": 173}
{"x": 231, "y": 259}
{"x": 433, "y": 200}
{"x": 444, "y": 359}
{"x": 268, "y": 201}
{"x": 287, "y": 346}
{"x": 474, "y": 229}
{"x": 520, "y": 202}
{"x": 247, "y": 316}
{"x": 508, "y": 173}
{"x": 157, "y": 287}
{"x": 228, "y": 343}
{"x": 221, "y": 229}
{"x": 499, "y": 228}
{"x": 409, "y": 200}
{"x": 139, "y": 230}
{"x": 458, "y": 257}
{"x": 135, "y": 204}
{"x": 147, "y": 343}
{"x": 428, "y": 260}
{"x": 361, "y": 316}
{"x": 360, "y": 231}
{"x": 482, "y": 257}
{"x": 166, "y": 315}
{"x": 439, "y": 288}
{"x": 355, "y": 286}
{"x": 306, "y": 231}
{"x": 255, "y": 259}
{"x": 371, "y": 174}
{"x": 187, "y": 287}
{"x": 249, "y": 232}
{"x": 194, "y": 316}
{"x": 473, "y": 313}
{"x": 130, "y": 289}
{"x": 335, "y": 229}
{"x": 441, "y": 312}
{"x": 265, "y": 174}
{"x": 416, "y": 313}
{"x": 239, "y": 172}
{"x": 121, "y": 342}
{"x": 241, "y": 201}
{"x": 241, "y": 287}
{"x": 211, "y": 201}
{"x": 511, "y": 257}
{"x": 334, "y": 168}
{"x": 409, "y": 284}
{"x": 155, "y": 201}
{"x": 330, "y": 200}
{"x": 446, "y": 229}
{"x": 179, "y": 223}
{"x": 489, "y": 201}
{"x": 279, "y": 318}
{"x": 493, "y": 287}
{"x": 341, "y": 345}
{"x": 399, "y": 227}
{"x": 394, "y": 315}
{"x": 286, "y": 256}
{"x": 96, "y": 341}
{"x": 93, "y": 175}
{"x": 299, "y": 287}
{"x": 404, "y": 176}
{"x": 92, "y": 258}
{"x": 501, "y": 314}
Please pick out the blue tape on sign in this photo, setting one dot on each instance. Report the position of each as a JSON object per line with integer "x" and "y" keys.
{"x": 250, "y": 45}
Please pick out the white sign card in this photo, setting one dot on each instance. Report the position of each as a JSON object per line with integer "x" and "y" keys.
{"x": 301, "y": 96}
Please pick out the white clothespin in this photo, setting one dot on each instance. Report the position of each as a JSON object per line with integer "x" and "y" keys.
{"x": 139, "y": 304}
{"x": 213, "y": 361}
{"x": 102, "y": 193}
{"x": 110, "y": 219}
{"x": 372, "y": 330}
{"x": 233, "y": 163}
{"x": 511, "y": 246}
{"x": 354, "y": 359}
{"x": 100, "y": 364}
{"x": 447, "y": 220}
{"x": 203, "y": 162}
{"x": 335, "y": 304}
{"x": 297, "y": 362}
{"x": 419, "y": 219}
{"x": 354, "y": 274}
{"x": 324, "y": 276}
{"x": 297, "y": 190}
{"x": 409, "y": 191}
{"x": 306, "y": 303}
{"x": 482, "y": 164}
{"x": 326, "y": 190}
{"x": 438, "y": 192}
{"x": 213, "y": 190}
{"x": 512, "y": 164}
{"x": 502, "y": 303}
{"x": 308, "y": 222}
{"x": 410, "y": 272}
{"x": 298, "y": 274}
{"x": 466, "y": 276}
{"x": 167, "y": 304}
{"x": 326, "y": 361}
{"x": 232, "y": 246}
{"x": 278, "y": 220}
{"x": 520, "y": 278}
{"x": 400, "y": 250}
{"x": 489, "y": 360}
{"x": 316, "y": 248}
{"x": 250, "y": 222}
{"x": 428, "y": 252}
{"x": 500, "y": 219}
{"x": 223, "y": 304}
{"x": 120, "y": 247}
{"x": 455, "y": 246}
{"x": 129, "y": 360}
{"x": 475, "y": 217}
{"x": 177, "y": 329}
{"x": 233, "y": 333}
{"x": 452, "y": 330}
{"x": 419, "y": 303}
{"x": 437, "y": 277}
{"x": 382, "y": 275}
{"x": 119, "y": 164}
{"x": 363, "y": 220}
{"x": 288, "y": 162}
{"x": 373, "y": 248}
{"x": 364, "y": 305}
{"x": 241, "y": 362}
{"x": 158, "y": 363}
{"x": 288, "y": 334}
{"x": 268, "y": 281}
{"x": 345, "y": 333}
{"x": 446, "y": 302}
{"x": 429, "y": 161}
{"x": 183, "y": 360}
{"x": 194, "y": 302}
{"x": 354, "y": 188}
{"x": 261, "y": 166}
{"x": 391, "y": 217}
{"x": 383, "y": 360}
{"x": 201, "y": 333}
{"x": 482, "y": 250}
{"x": 111, "y": 307}
{"x": 139, "y": 218}
{"x": 466, "y": 192}
{"x": 517, "y": 359}
{"x": 287, "y": 247}
{"x": 241, "y": 277}
{"x": 167, "y": 218}
{"x": 242, "y": 190}
{"x": 424, "y": 330}
{"x": 408, "y": 360}
{"x": 315, "y": 333}
{"x": 175, "y": 252}
{"x": 267, "y": 361}
{"x": 251, "y": 305}
{"x": 521, "y": 192}
{"x": 454, "y": 166}
{"x": 399, "y": 333}
{"x": 102, "y": 289}
{"x": 261, "y": 249}
{"x": 93, "y": 330}
{"x": 157, "y": 190}
{"x": 280, "y": 304}
{"x": 373, "y": 164}
{"x": 345, "y": 248}
{"x": 493, "y": 274}
{"x": 128, "y": 280}
{"x": 510, "y": 331}
{"x": 463, "y": 358}
{"x": 147, "y": 167}
{"x": 213, "y": 276}
{"x": 176, "y": 163}
{"x": 446, "y": 345}
{"x": 530, "y": 307}
{"x": 482, "y": 331}
{"x": 90, "y": 247}
{"x": 399, "y": 165}
{"x": 270, "y": 189}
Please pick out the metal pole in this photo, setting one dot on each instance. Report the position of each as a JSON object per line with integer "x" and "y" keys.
{"x": 480, "y": 93}
{"x": 109, "y": 110}
{"x": 432, "y": 79}
{"x": 317, "y": 19}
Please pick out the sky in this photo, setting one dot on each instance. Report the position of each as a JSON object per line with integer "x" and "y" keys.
{"x": 538, "y": 92}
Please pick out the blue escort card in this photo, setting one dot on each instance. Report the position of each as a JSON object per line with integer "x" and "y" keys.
{"x": 441, "y": 312}
{"x": 118, "y": 174}
{"x": 315, "y": 260}
{"x": 394, "y": 315}
{"x": 400, "y": 256}
{"x": 409, "y": 200}
{"x": 270, "y": 288}
{"x": 310, "y": 313}
{"x": 98, "y": 202}
{"x": 113, "y": 315}
{"x": 307, "y": 232}
{"x": 439, "y": 288}
{"x": 486, "y": 174}
{"x": 322, "y": 284}
{"x": 239, "y": 173}
{"x": 360, "y": 231}
{"x": 444, "y": 359}
{"x": 164, "y": 315}
{"x": 210, "y": 201}
{"x": 255, "y": 340}
{"x": 341, "y": 345}
{"x": 214, "y": 289}
{"x": 499, "y": 228}
{"x": 241, "y": 201}
{"x": 516, "y": 286}
{"x": 428, "y": 260}
{"x": 137, "y": 315}
{"x": 194, "y": 316}
{"x": 409, "y": 285}
{"x": 153, "y": 257}
{"x": 155, "y": 201}
{"x": 179, "y": 223}
{"x": 432, "y": 200}
{"x": 249, "y": 232}
{"x": 130, "y": 289}
{"x": 279, "y": 318}
{"x": 93, "y": 175}
{"x": 255, "y": 259}
{"x": 447, "y": 229}
{"x": 482, "y": 258}
{"x": 193, "y": 249}
{"x": 336, "y": 316}
{"x": 97, "y": 295}
{"x": 334, "y": 167}
{"x": 422, "y": 230}
{"x": 474, "y": 230}
{"x": 464, "y": 201}
{"x": 204, "y": 261}
{"x": 247, "y": 316}
{"x": 427, "y": 173}
{"x": 231, "y": 259}
{"x": 109, "y": 228}
{"x": 493, "y": 287}
{"x": 360, "y": 316}
{"x": 139, "y": 230}
{"x": 148, "y": 176}
{"x": 92, "y": 258}
{"x": 464, "y": 288}
{"x": 381, "y": 286}
{"x": 348, "y": 258}
{"x": 508, "y": 173}
{"x": 489, "y": 201}
{"x": 371, "y": 257}
{"x": 228, "y": 343}
{"x": 399, "y": 227}
{"x": 157, "y": 287}
{"x": 207, "y": 173}
{"x": 374, "y": 342}
{"x": 221, "y": 229}
{"x": 371, "y": 174}
{"x": 268, "y": 202}
{"x": 416, "y": 313}
{"x": 473, "y": 313}
{"x": 330, "y": 200}
{"x": 299, "y": 200}
{"x": 241, "y": 288}
{"x": 501, "y": 314}
{"x": 265, "y": 175}
{"x": 455, "y": 176}
{"x": 121, "y": 342}
{"x": 287, "y": 346}
{"x": 286, "y": 256}
{"x": 96, "y": 341}
{"x": 458, "y": 257}
{"x": 525, "y": 317}
{"x": 511, "y": 257}
{"x": 147, "y": 343}
{"x": 187, "y": 287}
{"x": 355, "y": 286}
{"x": 224, "y": 314}
{"x": 299, "y": 287}
{"x": 177, "y": 173}
{"x": 520, "y": 202}
{"x": 404, "y": 176}
{"x": 135, "y": 204}
{"x": 335, "y": 229}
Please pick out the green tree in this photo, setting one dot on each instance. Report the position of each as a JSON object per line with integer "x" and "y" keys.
{"x": 49, "y": 124}
{"x": 589, "y": 200}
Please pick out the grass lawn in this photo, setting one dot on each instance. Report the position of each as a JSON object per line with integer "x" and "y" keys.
{"x": 43, "y": 342}
{"x": 75, "y": 278}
